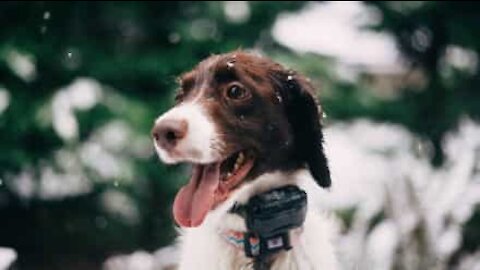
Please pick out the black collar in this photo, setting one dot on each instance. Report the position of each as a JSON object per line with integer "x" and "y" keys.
{"x": 269, "y": 217}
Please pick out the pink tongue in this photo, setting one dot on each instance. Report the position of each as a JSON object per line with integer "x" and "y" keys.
{"x": 194, "y": 200}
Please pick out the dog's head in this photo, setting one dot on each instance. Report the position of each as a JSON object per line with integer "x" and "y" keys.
{"x": 237, "y": 116}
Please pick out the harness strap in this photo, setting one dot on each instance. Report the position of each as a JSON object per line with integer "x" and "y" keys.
{"x": 237, "y": 240}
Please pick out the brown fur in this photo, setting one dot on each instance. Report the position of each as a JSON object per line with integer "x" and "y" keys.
{"x": 278, "y": 121}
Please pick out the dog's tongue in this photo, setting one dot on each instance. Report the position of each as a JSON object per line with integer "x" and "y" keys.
{"x": 194, "y": 200}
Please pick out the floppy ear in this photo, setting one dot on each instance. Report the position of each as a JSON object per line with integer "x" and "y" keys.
{"x": 303, "y": 116}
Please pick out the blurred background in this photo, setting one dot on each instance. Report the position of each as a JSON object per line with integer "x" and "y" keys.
{"x": 82, "y": 82}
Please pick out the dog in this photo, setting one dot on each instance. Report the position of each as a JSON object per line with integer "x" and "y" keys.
{"x": 246, "y": 125}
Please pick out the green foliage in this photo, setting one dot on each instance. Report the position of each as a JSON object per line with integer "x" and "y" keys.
{"x": 134, "y": 50}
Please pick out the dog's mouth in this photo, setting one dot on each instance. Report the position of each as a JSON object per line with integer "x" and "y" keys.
{"x": 209, "y": 185}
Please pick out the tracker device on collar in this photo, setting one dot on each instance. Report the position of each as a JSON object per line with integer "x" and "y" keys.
{"x": 269, "y": 217}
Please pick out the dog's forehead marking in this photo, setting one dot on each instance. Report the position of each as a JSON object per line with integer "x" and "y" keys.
{"x": 203, "y": 76}
{"x": 206, "y": 71}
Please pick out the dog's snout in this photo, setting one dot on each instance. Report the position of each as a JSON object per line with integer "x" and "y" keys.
{"x": 168, "y": 132}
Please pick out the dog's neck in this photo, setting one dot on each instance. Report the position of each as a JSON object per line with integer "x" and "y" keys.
{"x": 231, "y": 227}
{"x": 223, "y": 220}
{"x": 211, "y": 241}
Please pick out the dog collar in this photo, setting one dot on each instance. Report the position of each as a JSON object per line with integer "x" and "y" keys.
{"x": 270, "y": 217}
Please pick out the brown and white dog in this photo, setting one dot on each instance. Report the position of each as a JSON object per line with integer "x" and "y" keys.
{"x": 246, "y": 125}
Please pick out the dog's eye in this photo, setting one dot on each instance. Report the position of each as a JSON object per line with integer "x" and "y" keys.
{"x": 237, "y": 92}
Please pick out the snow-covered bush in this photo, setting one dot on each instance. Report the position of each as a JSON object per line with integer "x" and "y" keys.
{"x": 400, "y": 212}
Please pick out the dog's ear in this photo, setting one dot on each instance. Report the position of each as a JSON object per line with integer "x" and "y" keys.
{"x": 304, "y": 117}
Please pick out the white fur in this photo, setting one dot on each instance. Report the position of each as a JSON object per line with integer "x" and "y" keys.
{"x": 203, "y": 247}
{"x": 199, "y": 139}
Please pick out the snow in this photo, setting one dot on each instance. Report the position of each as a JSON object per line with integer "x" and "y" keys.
{"x": 141, "y": 260}
{"x": 331, "y": 28}
{"x": 470, "y": 262}
{"x": 203, "y": 29}
{"x": 236, "y": 11}
{"x": 23, "y": 184}
{"x": 54, "y": 185}
{"x": 381, "y": 246}
{"x": 121, "y": 205}
{"x": 7, "y": 257}
{"x": 4, "y": 99}
{"x": 23, "y": 65}
{"x": 81, "y": 94}
{"x": 174, "y": 38}
{"x": 46, "y": 15}
{"x": 106, "y": 164}
{"x": 84, "y": 93}
{"x": 106, "y": 155}
{"x": 461, "y": 58}
{"x": 376, "y": 170}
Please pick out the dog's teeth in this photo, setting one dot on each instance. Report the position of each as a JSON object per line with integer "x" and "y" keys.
{"x": 239, "y": 161}
{"x": 229, "y": 174}
{"x": 240, "y": 158}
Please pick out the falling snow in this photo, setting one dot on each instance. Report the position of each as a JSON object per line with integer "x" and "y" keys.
{"x": 46, "y": 15}
{"x": 230, "y": 64}
{"x": 174, "y": 38}
{"x": 279, "y": 97}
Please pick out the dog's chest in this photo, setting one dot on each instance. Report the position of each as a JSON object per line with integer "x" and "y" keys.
{"x": 209, "y": 251}
{"x": 204, "y": 248}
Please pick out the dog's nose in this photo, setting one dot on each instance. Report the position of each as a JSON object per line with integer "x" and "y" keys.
{"x": 168, "y": 132}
